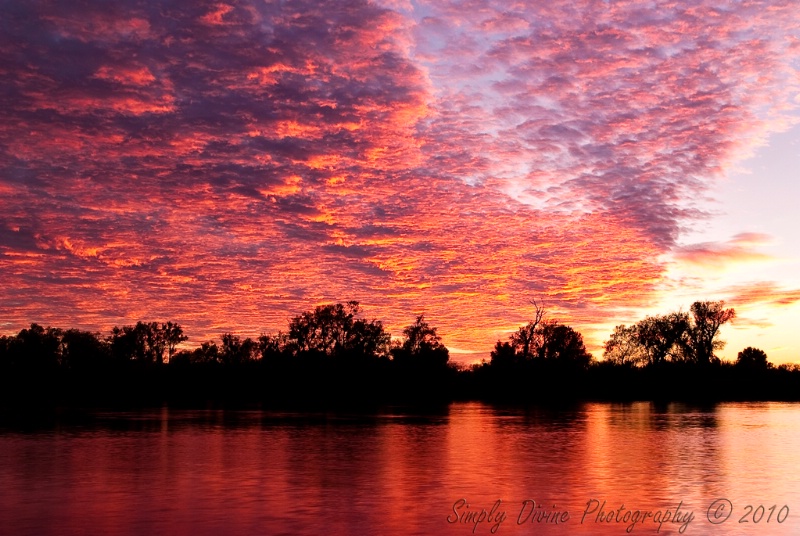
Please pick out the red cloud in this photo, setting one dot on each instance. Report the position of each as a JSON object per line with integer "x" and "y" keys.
{"x": 229, "y": 165}
{"x": 738, "y": 249}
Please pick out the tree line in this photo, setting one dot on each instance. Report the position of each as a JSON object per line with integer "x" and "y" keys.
{"x": 334, "y": 351}
{"x": 679, "y": 336}
{"x": 331, "y": 331}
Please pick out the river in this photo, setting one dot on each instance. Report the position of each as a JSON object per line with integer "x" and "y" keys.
{"x": 466, "y": 468}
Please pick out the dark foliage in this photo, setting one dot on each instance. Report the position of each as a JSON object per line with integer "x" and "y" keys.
{"x": 332, "y": 355}
{"x": 674, "y": 337}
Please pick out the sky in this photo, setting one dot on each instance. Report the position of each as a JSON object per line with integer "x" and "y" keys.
{"x": 228, "y": 165}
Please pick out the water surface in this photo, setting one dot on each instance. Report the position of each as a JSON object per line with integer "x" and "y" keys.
{"x": 181, "y": 472}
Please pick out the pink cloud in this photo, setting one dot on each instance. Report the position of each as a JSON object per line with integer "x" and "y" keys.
{"x": 762, "y": 293}
{"x": 228, "y": 165}
{"x": 741, "y": 248}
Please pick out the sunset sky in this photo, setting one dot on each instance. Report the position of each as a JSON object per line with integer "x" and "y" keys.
{"x": 228, "y": 165}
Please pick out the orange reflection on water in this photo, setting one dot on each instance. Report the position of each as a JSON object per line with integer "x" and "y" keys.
{"x": 402, "y": 471}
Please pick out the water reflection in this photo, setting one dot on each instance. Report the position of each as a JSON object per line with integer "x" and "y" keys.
{"x": 398, "y": 471}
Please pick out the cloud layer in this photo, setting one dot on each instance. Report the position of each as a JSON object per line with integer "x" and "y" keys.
{"x": 230, "y": 164}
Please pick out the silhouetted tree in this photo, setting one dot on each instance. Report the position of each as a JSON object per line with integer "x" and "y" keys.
{"x": 273, "y": 346}
{"x": 173, "y": 335}
{"x": 752, "y": 359}
{"x": 541, "y": 340}
{"x": 336, "y": 331}
{"x": 663, "y": 337}
{"x": 671, "y": 337}
{"x": 236, "y": 351}
{"x": 36, "y": 348}
{"x": 208, "y": 352}
{"x": 128, "y": 343}
{"x": 83, "y": 351}
{"x": 368, "y": 339}
{"x": 160, "y": 340}
{"x": 624, "y": 347}
{"x": 527, "y": 338}
{"x": 154, "y": 342}
{"x": 503, "y": 355}
{"x": 420, "y": 336}
{"x": 146, "y": 342}
{"x": 5, "y": 352}
{"x": 562, "y": 344}
{"x": 421, "y": 346}
{"x": 708, "y": 317}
